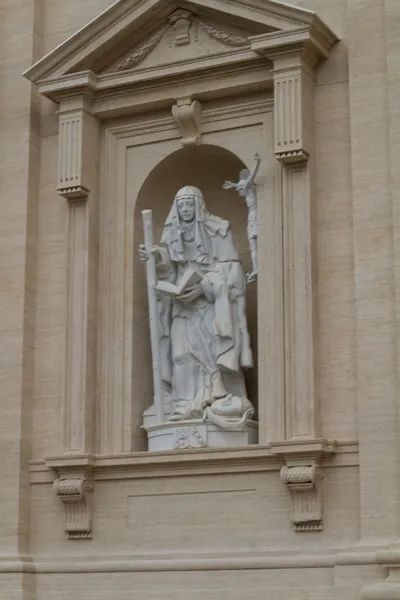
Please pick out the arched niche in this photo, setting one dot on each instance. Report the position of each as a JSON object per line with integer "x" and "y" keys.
{"x": 206, "y": 167}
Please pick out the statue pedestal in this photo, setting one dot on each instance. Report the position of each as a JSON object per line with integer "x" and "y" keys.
{"x": 194, "y": 434}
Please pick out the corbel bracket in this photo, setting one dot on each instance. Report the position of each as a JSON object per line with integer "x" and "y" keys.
{"x": 303, "y": 475}
{"x": 74, "y": 486}
{"x": 187, "y": 114}
{"x": 304, "y": 486}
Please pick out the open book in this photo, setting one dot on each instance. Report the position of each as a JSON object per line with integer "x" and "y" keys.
{"x": 189, "y": 278}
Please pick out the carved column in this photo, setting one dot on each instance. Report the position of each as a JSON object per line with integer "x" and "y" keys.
{"x": 77, "y": 180}
{"x": 295, "y": 57}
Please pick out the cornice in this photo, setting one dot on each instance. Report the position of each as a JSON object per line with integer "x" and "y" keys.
{"x": 68, "y": 85}
{"x": 315, "y": 38}
{"x": 319, "y": 557}
{"x": 138, "y": 465}
{"x": 104, "y": 31}
{"x": 114, "y": 84}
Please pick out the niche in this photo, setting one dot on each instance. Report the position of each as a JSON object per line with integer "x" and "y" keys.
{"x": 206, "y": 167}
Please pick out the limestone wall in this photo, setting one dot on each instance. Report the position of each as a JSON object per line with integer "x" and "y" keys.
{"x": 188, "y": 529}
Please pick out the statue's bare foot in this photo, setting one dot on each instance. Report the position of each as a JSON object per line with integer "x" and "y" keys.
{"x": 176, "y": 417}
{"x": 251, "y": 277}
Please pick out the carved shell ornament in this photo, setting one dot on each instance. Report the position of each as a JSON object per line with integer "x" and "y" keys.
{"x": 180, "y": 24}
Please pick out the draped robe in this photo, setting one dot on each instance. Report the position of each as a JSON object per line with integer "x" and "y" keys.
{"x": 205, "y": 343}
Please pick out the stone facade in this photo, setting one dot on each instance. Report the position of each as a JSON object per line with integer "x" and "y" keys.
{"x": 120, "y": 105}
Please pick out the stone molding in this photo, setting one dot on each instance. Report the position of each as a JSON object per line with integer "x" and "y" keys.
{"x": 137, "y": 465}
{"x": 389, "y": 588}
{"x": 297, "y": 28}
{"x": 126, "y": 15}
{"x": 325, "y": 558}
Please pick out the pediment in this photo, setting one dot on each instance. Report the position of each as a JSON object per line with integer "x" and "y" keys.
{"x": 141, "y": 34}
{"x": 183, "y": 36}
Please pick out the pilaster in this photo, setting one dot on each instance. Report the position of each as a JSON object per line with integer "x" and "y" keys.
{"x": 375, "y": 222}
{"x": 77, "y": 183}
{"x": 295, "y": 57}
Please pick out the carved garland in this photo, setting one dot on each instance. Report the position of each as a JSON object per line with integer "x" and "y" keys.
{"x": 127, "y": 62}
{"x": 130, "y": 60}
{"x": 223, "y": 36}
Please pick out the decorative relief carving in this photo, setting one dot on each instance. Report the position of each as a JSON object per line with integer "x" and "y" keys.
{"x": 190, "y": 437}
{"x": 136, "y": 56}
{"x": 181, "y": 26}
{"x": 223, "y": 36}
{"x": 181, "y": 21}
{"x": 304, "y": 486}
{"x": 75, "y": 494}
{"x": 187, "y": 114}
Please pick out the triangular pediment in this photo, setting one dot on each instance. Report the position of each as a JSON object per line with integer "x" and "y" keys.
{"x": 134, "y": 34}
{"x": 183, "y": 36}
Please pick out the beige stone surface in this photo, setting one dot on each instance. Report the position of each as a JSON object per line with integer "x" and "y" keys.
{"x": 213, "y": 524}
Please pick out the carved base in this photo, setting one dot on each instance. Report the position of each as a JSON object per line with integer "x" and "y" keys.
{"x": 195, "y": 434}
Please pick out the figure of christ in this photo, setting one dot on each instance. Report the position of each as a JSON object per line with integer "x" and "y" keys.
{"x": 246, "y": 188}
{"x": 203, "y": 335}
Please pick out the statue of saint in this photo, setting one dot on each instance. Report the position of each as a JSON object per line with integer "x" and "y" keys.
{"x": 203, "y": 335}
{"x": 246, "y": 188}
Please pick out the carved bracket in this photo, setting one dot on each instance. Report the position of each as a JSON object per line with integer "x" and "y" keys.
{"x": 187, "y": 114}
{"x": 302, "y": 474}
{"x": 74, "y": 486}
{"x": 75, "y": 494}
{"x": 304, "y": 486}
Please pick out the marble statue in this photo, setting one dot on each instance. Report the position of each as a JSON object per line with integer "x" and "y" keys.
{"x": 203, "y": 339}
{"x": 246, "y": 188}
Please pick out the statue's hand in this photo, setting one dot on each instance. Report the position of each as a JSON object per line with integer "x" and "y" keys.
{"x": 190, "y": 294}
{"x": 144, "y": 254}
{"x": 257, "y": 157}
{"x": 228, "y": 185}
